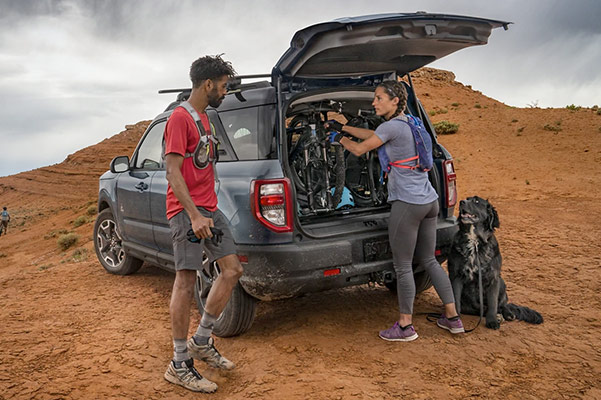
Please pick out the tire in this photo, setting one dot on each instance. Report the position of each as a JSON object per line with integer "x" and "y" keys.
{"x": 239, "y": 313}
{"x": 422, "y": 282}
{"x": 108, "y": 246}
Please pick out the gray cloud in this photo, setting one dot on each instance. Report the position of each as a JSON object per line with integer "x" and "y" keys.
{"x": 86, "y": 68}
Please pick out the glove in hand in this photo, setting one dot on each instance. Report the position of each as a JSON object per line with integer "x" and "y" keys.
{"x": 334, "y": 125}
{"x": 215, "y": 239}
{"x": 334, "y": 138}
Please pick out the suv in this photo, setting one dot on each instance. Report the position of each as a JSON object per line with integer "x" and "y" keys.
{"x": 306, "y": 216}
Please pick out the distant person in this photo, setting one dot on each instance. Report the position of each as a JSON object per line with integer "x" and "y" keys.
{"x": 414, "y": 207}
{"x": 5, "y": 219}
{"x": 192, "y": 204}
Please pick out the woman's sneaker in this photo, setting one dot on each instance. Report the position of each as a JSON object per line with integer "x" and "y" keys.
{"x": 453, "y": 326}
{"x": 209, "y": 354}
{"x": 398, "y": 334}
{"x": 187, "y": 376}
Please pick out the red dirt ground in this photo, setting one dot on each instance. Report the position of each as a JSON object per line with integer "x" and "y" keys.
{"x": 71, "y": 330}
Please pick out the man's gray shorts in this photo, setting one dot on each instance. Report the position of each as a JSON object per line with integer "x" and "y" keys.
{"x": 188, "y": 255}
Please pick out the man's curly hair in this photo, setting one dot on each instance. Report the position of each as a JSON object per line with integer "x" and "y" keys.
{"x": 210, "y": 67}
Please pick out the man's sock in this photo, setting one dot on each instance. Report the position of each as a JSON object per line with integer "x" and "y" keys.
{"x": 180, "y": 351}
{"x": 455, "y": 318}
{"x": 205, "y": 328}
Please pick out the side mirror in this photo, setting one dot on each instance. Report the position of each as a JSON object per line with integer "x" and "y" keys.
{"x": 120, "y": 164}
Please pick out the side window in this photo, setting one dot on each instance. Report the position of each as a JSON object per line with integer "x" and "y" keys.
{"x": 149, "y": 151}
{"x": 250, "y": 131}
{"x": 226, "y": 153}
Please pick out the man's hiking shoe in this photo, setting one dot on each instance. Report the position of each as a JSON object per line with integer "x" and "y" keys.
{"x": 398, "y": 334}
{"x": 187, "y": 376}
{"x": 209, "y": 354}
{"x": 455, "y": 326}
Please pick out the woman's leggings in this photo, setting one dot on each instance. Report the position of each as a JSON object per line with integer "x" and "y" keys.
{"x": 412, "y": 231}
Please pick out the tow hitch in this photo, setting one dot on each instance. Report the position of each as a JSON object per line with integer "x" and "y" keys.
{"x": 381, "y": 277}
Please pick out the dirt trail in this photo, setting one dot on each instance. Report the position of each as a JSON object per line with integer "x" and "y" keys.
{"x": 70, "y": 330}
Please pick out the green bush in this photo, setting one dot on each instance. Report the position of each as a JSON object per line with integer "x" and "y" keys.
{"x": 599, "y": 111}
{"x": 80, "y": 254}
{"x": 79, "y": 221}
{"x": 68, "y": 240}
{"x": 446, "y": 127}
{"x": 573, "y": 107}
{"x": 91, "y": 211}
{"x": 455, "y": 104}
{"x": 477, "y": 105}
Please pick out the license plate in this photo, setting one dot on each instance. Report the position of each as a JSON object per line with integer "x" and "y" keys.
{"x": 376, "y": 250}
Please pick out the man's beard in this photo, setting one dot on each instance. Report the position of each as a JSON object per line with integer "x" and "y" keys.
{"x": 214, "y": 99}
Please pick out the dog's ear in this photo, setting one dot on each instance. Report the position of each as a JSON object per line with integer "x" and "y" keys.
{"x": 493, "y": 218}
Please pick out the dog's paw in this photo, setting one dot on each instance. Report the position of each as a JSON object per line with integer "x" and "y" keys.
{"x": 493, "y": 324}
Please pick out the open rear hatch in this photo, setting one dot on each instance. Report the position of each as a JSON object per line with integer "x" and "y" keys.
{"x": 330, "y": 72}
{"x": 372, "y": 44}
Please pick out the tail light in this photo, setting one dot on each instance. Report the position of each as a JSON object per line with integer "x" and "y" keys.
{"x": 450, "y": 179}
{"x": 271, "y": 203}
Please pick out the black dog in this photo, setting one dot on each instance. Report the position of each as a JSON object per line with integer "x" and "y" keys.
{"x": 475, "y": 246}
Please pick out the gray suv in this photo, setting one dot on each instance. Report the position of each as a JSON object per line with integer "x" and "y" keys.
{"x": 306, "y": 216}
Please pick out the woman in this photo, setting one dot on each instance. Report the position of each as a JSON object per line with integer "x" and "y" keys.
{"x": 412, "y": 223}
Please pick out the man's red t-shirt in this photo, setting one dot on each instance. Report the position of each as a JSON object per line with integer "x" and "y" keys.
{"x": 181, "y": 137}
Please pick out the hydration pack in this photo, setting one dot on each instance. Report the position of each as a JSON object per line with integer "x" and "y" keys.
{"x": 423, "y": 147}
{"x": 5, "y": 216}
{"x": 207, "y": 149}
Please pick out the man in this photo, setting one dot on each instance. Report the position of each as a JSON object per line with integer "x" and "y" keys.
{"x": 4, "y": 221}
{"x": 192, "y": 204}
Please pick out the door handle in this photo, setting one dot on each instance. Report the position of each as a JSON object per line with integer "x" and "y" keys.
{"x": 141, "y": 186}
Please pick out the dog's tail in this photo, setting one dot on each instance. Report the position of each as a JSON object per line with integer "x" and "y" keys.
{"x": 521, "y": 313}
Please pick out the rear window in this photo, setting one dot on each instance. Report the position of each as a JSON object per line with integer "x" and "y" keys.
{"x": 251, "y": 131}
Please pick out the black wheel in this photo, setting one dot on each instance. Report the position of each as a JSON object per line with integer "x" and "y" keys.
{"x": 238, "y": 315}
{"x": 422, "y": 282}
{"x": 108, "y": 246}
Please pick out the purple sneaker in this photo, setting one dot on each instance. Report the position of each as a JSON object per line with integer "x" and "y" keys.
{"x": 455, "y": 326}
{"x": 397, "y": 334}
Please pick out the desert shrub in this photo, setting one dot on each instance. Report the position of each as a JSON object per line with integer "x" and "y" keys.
{"x": 53, "y": 234}
{"x": 600, "y": 129}
{"x": 2, "y": 255}
{"x": 68, "y": 240}
{"x": 477, "y": 105}
{"x": 79, "y": 221}
{"x": 80, "y": 254}
{"x": 573, "y": 107}
{"x": 91, "y": 211}
{"x": 599, "y": 111}
{"x": 514, "y": 120}
{"x": 455, "y": 104}
{"x": 521, "y": 129}
{"x": 446, "y": 127}
{"x": 432, "y": 113}
{"x": 552, "y": 128}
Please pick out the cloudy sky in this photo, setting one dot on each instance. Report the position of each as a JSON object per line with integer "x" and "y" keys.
{"x": 73, "y": 72}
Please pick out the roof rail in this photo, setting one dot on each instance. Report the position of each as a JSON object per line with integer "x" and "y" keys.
{"x": 233, "y": 84}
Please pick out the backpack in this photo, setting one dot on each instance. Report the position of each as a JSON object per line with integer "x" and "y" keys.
{"x": 423, "y": 147}
{"x": 5, "y": 215}
{"x": 207, "y": 149}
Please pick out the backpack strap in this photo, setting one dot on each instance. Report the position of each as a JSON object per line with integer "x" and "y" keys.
{"x": 399, "y": 163}
{"x": 202, "y": 134}
{"x": 201, "y": 130}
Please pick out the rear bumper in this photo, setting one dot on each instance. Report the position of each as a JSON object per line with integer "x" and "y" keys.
{"x": 288, "y": 270}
